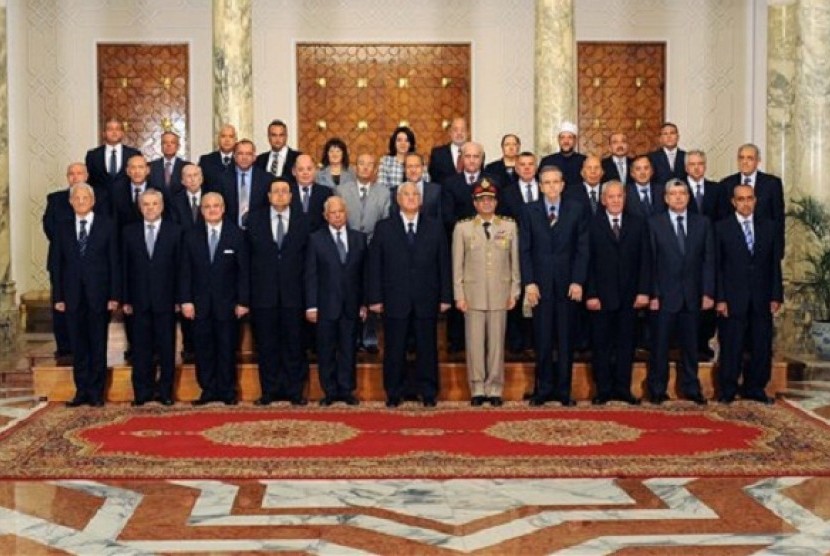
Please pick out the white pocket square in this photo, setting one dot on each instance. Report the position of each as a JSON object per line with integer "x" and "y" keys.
{"x": 228, "y": 251}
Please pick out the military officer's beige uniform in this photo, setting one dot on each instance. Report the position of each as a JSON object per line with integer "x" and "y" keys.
{"x": 486, "y": 276}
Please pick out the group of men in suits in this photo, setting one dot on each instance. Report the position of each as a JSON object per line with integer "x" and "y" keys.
{"x": 599, "y": 261}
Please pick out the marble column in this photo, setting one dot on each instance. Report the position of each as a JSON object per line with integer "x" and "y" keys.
{"x": 233, "y": 98}
{"x": 555, "y": 68}
{"x": 9, "y": 314}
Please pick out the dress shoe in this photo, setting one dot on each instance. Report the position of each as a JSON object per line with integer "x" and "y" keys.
{"x": 630, "y": 400}
{"x": 202, "y": 401}
{"x": 600, "y": 400}
{"x": 566, "y": 402}
{"x": 326, "y": 401}
{"x": 698, "y": 399}
{"x": 76, "y": 402}
{"x": 726, "y": 400}
{"x": 166, "y": 401}
{"x": 230, "y": 401}
{"x": 393, "y": 402}
{"x": 496, "y": 401}
{"x": 351, "y": 400}
{"x": 659, "y": 399}
{"x": 761, "y": 398}
{"x": 96, "y": 403}
{"x": 537, "y": 401}
{"x": 264, "y": 400}
{"x": 477, "y": 401}
{"x": 298, "y": 401}
{"x": 430, "y": 402}
{"x": 138, "y": 403}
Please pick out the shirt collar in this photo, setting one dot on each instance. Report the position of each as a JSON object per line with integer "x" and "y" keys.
{"x": 407, "y": 221}
{"x": 286, "y": 213}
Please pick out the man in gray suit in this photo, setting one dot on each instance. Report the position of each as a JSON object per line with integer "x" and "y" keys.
{"x": 367, "y": 202}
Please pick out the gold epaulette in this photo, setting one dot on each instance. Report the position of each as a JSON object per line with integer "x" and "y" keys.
{"x": 468, "y": 219}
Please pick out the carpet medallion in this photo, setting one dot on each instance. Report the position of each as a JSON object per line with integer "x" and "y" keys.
{"x": 453, "y": 440}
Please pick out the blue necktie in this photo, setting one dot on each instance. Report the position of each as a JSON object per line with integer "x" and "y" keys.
{"x": 681, "y": 235}
{"x": 82, "y": 238}
{"x": 750, "y": 240}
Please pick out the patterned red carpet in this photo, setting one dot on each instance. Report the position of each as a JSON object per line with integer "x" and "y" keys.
{"x": 452, "y": 441}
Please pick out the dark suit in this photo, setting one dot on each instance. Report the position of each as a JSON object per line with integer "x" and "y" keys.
{"x": 769, "y": 192}
{"x": 97, "y": 165}
{"x": 553, "y": 258}
{"x": 157, "y": 177}
{"x": 336, "y": 290}
{"x": 680, "y": 282}
{"x": 150, "y": 287}
{"x": 502, "y": 173}
{"x": 277, "y": 303}
{"x": 291, "y": 155}
{"x": 579, "y": 194}
{"x": 214, "y": 170}
{"x": 619, "y": 271}
{"x": 57, "y": 210}
{"x": 611, "y": 172}
{"x": 441, "y": 163}
{"x": 86, "y": 283}
{"x": 317, "y": 198}
{"x": 635, "y": 205}
{"x": 570, "y": 165}
{"x": 182, "y": 214}
{"x": 747, "y": 282}
{"x": 411, "y": 281}
{"x": 215, "y": 288}
{"x": 662, "y": 171}
{"x": 430, "y": 200}
{"x": 258, "y": 184}
{"x": 710, "y": 207}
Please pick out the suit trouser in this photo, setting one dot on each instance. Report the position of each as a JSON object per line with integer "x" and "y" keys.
{"x": 455, "y": 329}
{"x": 394, "y": 355}
{"x": 368, "y": 331}
{"x": 519, "y": 328}
{"x": 186, "y": 326}
{"x": 706, "y": 329}
{"x": 485, "y": 351}
{"x": 613, "y": 334}
{"x": 685, "y": 322}
{"x": 553, "y": 319}
{"x": 154, "y": 333}
{"x": 279, "y": 342}
{"x": 336, "y": 355}
{"x": 60, "y": 329}
{"x": 735, "y": 330}
{"x": 215, "y": 341}
{"x": 88, "y": 331}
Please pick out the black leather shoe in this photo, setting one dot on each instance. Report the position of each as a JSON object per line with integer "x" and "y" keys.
{"x": 298, "y": 401}
{"x": 96, "y": 403}
{"x": 496, "y": 401}
{"x": 430, "y": 402}
{"x": 202, "y": 401}
{"x": 138, "y": 403}
{"x": 566, "y": 402}
{"x": 393, "y": 402}
{"x": 659, "y": 399}
{"x": 477, "y": 401}
{"x": 231, "y": 401}
{"x": 76, "y": 402}
{"x": 726, "y": 400}
{"x": 762, "y": 398}
{"x": 264, "y": 400}
{"x": 537, "y": 401}
{"x": 599, "y": 400}
{"x": 351, "y": 400}
{"x": 326, "y": 401}
{"x": 630, "y": 400}
{"x": 698, "y": 399}
{"x": 166, "y": 401}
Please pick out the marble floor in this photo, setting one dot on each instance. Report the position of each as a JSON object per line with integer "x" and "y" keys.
{"x": 650, "y": 515}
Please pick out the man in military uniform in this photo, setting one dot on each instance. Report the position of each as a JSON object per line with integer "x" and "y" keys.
{"x": 486, "y": 282}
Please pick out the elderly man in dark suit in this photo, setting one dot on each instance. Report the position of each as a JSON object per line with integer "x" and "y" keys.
{"x": 215, "y": 164}
{"x": 616, "y": 166}
{"x": 409, "y": 282}
{"x": 683, "y": 284}
{"x": 59, "y": 210}
{"x": 214, "y": 291}
{"x": 430, "y": 191}
{"x": 278, "y": 240}
{"x": 619, "y": 283}
{"x": 107, "y": 163}
{"x": 308, "y": 196}
{"x": 166, "y": 172}
{"x": 245, "y": 187}
{"x": 669, "y": 161}
{"x": 335, "y": 276}
{"x": 151, "y": 259}
{"x": 445, "y": 160}
{"x": 769, "y": 191}
{"x": 553, "y": 246}
{"x": 280, "y": 158}
{"x": 86, "y": 285}
{"x": 750, "y": 292}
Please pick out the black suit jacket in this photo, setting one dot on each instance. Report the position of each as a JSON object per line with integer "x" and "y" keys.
{"x": 215, "y": 287}
{"x": 335, "y": 289}
{"x": 512, "y": 201}
{"x": 578, "y": 193}
{"x": 57, "y": 210}
{"x": 259, "y": 184}
{"x": 634, "y": 205}
{"x": 96, "y": 165}
{"x": 277, "y": 273}
{"x": 261, "y": 162}
{"x": 96, "y": 276}
{"x": 441, "y": 164}
{"x": 499, "y": 171}
{"x": 769, "y": 192}
{"x": 409, "y": 280}
{"x": 662, "y": 171}
{"x": 570, "y": 165}
{"x": 554, "y": 257}
{"x": 126, "y": 211}
{"x": 157, "y": 177}
{"x": 711, "y": 199}
{"x": 457, "y": 199}
{"x": 680, "y": 278}
{"x": 430, "y": 203}
{"x": 611, "y": 172}
{"x": 214, "y": 170}
{"x": 619, "y": 270}
{"x": 150, "y": 284}
{"x": 319, "y": 194}
{"x": 748, "y": 279}
{"x": 181, "y": 213}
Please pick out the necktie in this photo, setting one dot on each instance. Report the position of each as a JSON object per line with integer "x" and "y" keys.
{"x": 275, "y": 164}
{"x": 593, "y": 200}
{"x": 214, "y": 241}
{"x": 363, "y": 195}
{"x": 681, "y": 235}
{"x": 671, "y": 156}
{"x": 747, "y": 181}
{"x": 243, "y": 200}
{"x": 150, "y": 239}
{"x": 472, "y": 178}
{"x": 113, "y": 163}
{"x": 486, "y": 230}
{"x": 459, "y": 162}
{"x": 194, "y": 207}
{"x": 552, "y": 215}
{"x": 280, "y": 231}
{"x": 410, "y": 233}
{"x": 168, "y": 172}
{"x": 646, "y": 199}
{"x": 136, "y": 193}
{"x": 82, "y": 238}
{"x": 306, "y": 195}
{"x": 529, "y": 194}
{"x": 341, "y": 247}
{"x": 699, "y": 196}
{"x": 615, "y": 227}
{"x": 621, "y": 170}
{"x": 750, "y": 240}
{"x": 226, "y": 160}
